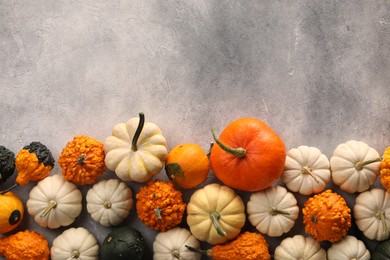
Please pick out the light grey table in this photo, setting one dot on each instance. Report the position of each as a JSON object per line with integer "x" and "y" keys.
{"x": 316, "y": 71}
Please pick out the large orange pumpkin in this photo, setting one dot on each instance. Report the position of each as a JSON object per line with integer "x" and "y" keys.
{"x": 248, "y": 156}
{"x": 11, "y": 212}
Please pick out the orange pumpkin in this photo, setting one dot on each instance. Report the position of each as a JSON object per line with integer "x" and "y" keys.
{"x": 82, "y": 160}
{"x": 187, "y": 165}
{"x": 385, "y": 169}
{"x": 11, "y": 212}
{"x": 326, "y": 217}
{"x": 249, "y": 155}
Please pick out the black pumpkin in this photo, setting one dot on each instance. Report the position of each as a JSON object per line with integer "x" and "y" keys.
{"x": 382, "y": 251}
{"x": 7, "y": 163}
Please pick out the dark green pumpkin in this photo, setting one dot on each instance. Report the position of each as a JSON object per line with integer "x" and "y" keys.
{"x": 124, "y": 243}
{"x": 7, "y": 163}
{"x": 382, "y": 251}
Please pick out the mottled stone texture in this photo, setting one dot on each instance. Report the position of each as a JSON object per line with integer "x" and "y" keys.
{"x": 316, "y": 71}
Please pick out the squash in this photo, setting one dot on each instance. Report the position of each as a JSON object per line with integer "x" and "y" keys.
{"x": 123, "y": 243}
{"x": 385, "y": 169}
{"x": 187, "y": 165}
{"x": 136, "y": 150}
{"x": 171, "y": 245}
{"x": 272, "y": 211}
{"x": 54, "y": 202}
{"x": 248, "y": 155}
{"x": 215, "y": 214}
{"x": 11, "y": 212}
{"x": 33, "y": 163}
{"x": 247, "y": 246}
{"x": 109, "y": 202}
{"x": 299, "y": 247}
{"x": 348, "y": 248}
{"x": 7, "y": 163}
{"x": 75, "y": 243}
{"x": 26, "y": 245}
{"x": 82, "y": 160}
{"x": 354, "y": 166}
{"x": 159, "y": 205}
{"x": 372, "y": 214}
{"x": 306, "y": 171}
{"x": 326, "y": 216}
{"x": 382, "y": 251}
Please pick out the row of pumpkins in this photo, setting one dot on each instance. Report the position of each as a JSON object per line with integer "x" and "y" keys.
{"x": 248, "y": 156}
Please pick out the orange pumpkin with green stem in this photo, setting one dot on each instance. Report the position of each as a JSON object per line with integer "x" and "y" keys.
{"x": 249, "y": 155}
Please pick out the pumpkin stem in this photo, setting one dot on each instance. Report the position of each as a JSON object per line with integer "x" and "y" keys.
{"x": 359, "y": 165}
{"x": 140, "y": 126}
{"x": 107, "y": 204}
{"x": 80, "y": 160}
{"x": 52, "y": 205}
{"x": 274, "y": 211}
{"x": 306, "y": 170}
{"x": 380, "y": 214}
{"x": 9, "y": 189}
{"x": 214, "y": 219}
{"x": 238, "y": 152}
{"x": 157, "y": 212}
{"x": 75, "y": 254}
{"x": 200, "y": 251}
{"x": 176, "y": 254}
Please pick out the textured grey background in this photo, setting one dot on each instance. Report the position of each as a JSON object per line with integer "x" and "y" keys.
{"x": 316, "y": 71}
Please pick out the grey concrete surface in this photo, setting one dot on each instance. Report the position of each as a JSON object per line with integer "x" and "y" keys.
{"x": 316, "y": 71}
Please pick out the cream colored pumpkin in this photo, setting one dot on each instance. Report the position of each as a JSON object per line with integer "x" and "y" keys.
{"x": 372, "y": 214}
{"x": 348, "y": 248}
{"x": 171, "y": 245}
{"x": 109, "y": 202}
{"x": 306, "y": 170}
{"x": 215, "y": 214}
{"x": 355, "y": 166}
{"x": 299, "y": 247}
{"x": 272, "y": 211}
{"x": 75, "y": 243}
{"x": 54, "y": 202}
{"x": 136, "y": 155}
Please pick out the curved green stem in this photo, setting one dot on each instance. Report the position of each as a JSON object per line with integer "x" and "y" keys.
{"x": 381, "y": 216}
{"x": 238, "y": 152}
{"x": 200, "y": 251}
{"x": 9, "y": 189}
{"x": 360, "y": 165}
{"x": 52, "y": 205}
{"x": 214, "y": 219}
{"x": 274, "y": 211}
{"x": 137, "y": 133}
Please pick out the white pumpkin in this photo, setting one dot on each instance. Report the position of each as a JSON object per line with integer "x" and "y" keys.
{"x": 306, "y": 170}
{"x": 299, "y": 247}
{"x": 355, "y": 166}
{"x": 54, "y": 202}
{"x": 372, "y": 214}
{"x": 348, "y": 248}
{"x": 75, "y": 243}
{"x": 215, "y": 214}
{"x": 109, "y": 202}
{"x": 272, "y": 211}
{"x": 136, "y": 150}
{"x": 171, "y": 245}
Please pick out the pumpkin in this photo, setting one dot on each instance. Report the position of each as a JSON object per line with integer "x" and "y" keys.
{"x": 26, "y": 245}
{"x": 7, "y": 163}
{"x": 33, "y": 163}
{"x": 354, "y": 166}
{"x": 11, "y": 212}
{"x": 385, "y": 169}
{"x": 381, "y": 251}
{"x": 136, "y": 150}
{"x": 248, "y": 155}
{"x": 348, "y": 248}
{"x": 247, "y": 246}
{"x": 75, "y": 243}
{"x": 159, "y": 205}
{"x": 82, "y": 160}
{"x": 109, "y": 202}
{"x": 299, "y": 247}
{"x": 306, "y": 171}
{"x": 124, "y": 243}
{"x": 372, "y": 214}
{"x": 54, "y": 202}
{"x": 187, "y": 165}
{"x": 171, "y": 245}
{"x": 326, "y": 216}
{"x": 272, "y": 211}
{"x": 215, "y": 214}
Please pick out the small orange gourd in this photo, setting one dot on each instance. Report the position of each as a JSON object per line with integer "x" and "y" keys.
{"x": 326, "y": 217}
{"x": 247, "y": 246}
{"x": 11, "y": 212}
{"x": 26, "y": 245}
{"x": 187, "y": 165}
{"x": 82, "y": 160}
{"x": 385, "y": 169}
{"x": 159, "y": 205}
